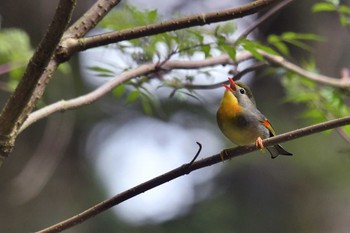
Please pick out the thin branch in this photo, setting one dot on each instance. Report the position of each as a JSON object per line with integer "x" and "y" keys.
{"x": 263, "y": 18}
{"x": 188, "y": 168}
{"x": 145, "y": 69}
{"x": 280, "y": 61}
{"x": 236, "y": 77}
{"x": 73, "y": 45}
{"x": 18, "y": 106}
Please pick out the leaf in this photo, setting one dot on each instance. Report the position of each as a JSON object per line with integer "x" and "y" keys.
{"x": 119, "y": 90}
{"x": 100, "y": 69}
{"x": 206, "y": 50}
{"x": 344, "y": 9}
{"x": 344, "y": 21}
{"x": 231, "y": 51}
{"x": 301, "y": 36}
{"x": 133, "y": 96}
{"x": 323, "y": 6}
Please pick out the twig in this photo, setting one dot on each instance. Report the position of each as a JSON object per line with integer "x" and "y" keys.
{"x": 263, "y": 18}
{"x": 81, "y": 44}
{"x": 196, "y": 156}
{"x": 185, "y": 169}
{"x": 19, "y": 105}
{"x": 236, "y": 77}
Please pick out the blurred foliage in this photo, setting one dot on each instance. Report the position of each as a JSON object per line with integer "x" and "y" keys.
{"x": 322, "y": 102}
{"x": 15, "y": 52}
{"x": 334, "y": 6}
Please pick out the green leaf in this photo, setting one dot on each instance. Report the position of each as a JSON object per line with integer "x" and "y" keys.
{"x": 119, "y": 90}
{"x": 300, "y": 36}
{"x": 323, "y": 6}
{"x": 231, "y": 51}
{"x": 152, "y": 16}
{"x": 206, "y": 50}
{"x": 100, "y": 69}
{"x": 344, "y": 21}
{"x": 133, "y": 96}
{"x": 344, "y": 9}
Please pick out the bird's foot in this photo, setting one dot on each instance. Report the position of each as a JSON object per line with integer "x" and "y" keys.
{"x": 223, "y": 154}
{"x": 259, "y": 143}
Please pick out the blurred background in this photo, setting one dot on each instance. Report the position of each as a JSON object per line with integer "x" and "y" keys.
{"x": 73, "y": 160}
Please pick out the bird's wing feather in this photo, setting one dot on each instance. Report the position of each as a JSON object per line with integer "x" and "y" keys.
{"x": 268, "y": 125}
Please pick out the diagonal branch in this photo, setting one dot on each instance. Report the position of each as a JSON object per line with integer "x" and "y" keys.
{"x": 72, "y": 45}
{"x": 280, "y": 61}
{"x": 91, "y": 18}
{"x": 18, "y": 106}
{"x": 145, "y": 69}
{"x": 188, "y": 168}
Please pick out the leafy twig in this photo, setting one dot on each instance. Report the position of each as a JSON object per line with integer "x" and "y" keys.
{"x": 161, "y": 27}
{"x": 64, "y": 105}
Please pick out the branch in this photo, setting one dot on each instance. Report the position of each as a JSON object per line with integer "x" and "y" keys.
{"x": 188, "y": 168}
{"x": 145, "y": 69}
{"x": 74, "y": 45}
{"x": 91, "y": 18}
{"x": 280, "y": 61}
{"x": 263, "y": 18}
{"x": 18, "y": 106}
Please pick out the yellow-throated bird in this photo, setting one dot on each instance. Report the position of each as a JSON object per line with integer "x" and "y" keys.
{"x": 240, "y": 120}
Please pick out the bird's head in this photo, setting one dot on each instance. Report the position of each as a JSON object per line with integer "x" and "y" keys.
{"x": 238, "y": 94}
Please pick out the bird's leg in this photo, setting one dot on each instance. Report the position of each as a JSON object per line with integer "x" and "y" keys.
{"x": 259, "y": 143}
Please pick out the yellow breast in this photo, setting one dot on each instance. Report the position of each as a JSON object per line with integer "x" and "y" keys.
{"x": 229, "y": 118}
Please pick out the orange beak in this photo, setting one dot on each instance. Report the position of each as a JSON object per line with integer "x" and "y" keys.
{"x": 232, "y": 86}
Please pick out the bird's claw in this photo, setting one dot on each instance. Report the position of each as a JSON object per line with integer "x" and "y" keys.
{"x": 223, "y": 154}
{"x": 259, "y": 144}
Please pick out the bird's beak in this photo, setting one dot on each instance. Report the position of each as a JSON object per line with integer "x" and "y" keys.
{"x": 228, "y": 88}
{"x": 232, "y": 84}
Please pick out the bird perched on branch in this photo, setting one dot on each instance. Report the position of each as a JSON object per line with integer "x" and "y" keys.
{"x": 241, "y": 122}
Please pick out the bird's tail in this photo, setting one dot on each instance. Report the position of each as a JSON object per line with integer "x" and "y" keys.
{"x": 277, "y": 150}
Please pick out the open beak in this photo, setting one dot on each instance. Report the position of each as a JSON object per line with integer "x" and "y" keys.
{"x": 232, "y": 86}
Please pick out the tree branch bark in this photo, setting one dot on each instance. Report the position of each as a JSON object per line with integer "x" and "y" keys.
{"x": 280, "y": 61}
{"x": 89, "y": 20}
{"x": 73, "y": 45}
{"x": 19, "y": 105}
{"x": 188, "y": 168}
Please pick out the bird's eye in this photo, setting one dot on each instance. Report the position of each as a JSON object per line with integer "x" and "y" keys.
{"x": 242, "y": 91}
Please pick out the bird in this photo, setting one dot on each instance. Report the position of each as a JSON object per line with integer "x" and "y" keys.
{"x": 241, "y": 122}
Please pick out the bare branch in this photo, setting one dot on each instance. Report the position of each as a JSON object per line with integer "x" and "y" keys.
{"x": 73, "y": 45}
{"x": 188, "y": 168}
{"x": 90, "y": 18}
{"x": 263, "y": 18}
{"x": 18, "y": 106}
{"x": 64, "y": 105}
{"x": 280, "y": 61}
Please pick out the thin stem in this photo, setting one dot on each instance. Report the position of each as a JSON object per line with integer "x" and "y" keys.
{"x": 263, "y": 18}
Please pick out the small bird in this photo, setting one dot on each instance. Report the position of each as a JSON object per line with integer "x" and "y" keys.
{"x": 241, "y": 122}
